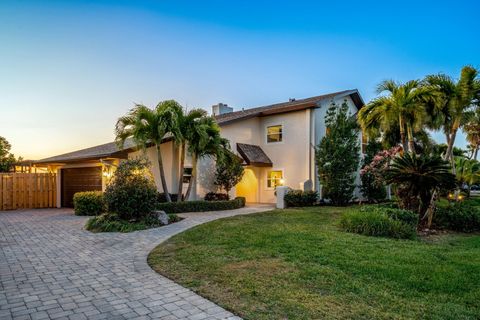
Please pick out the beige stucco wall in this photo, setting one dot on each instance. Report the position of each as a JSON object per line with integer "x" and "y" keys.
{"x": 170, "y": 164}
{"x": 291, "y": 155}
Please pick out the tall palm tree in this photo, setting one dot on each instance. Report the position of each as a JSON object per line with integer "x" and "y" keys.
{"x": 204, "y": 140}
{"x": 186, "y": 126}
{"x": 403, "y": 107}
{"x": 149, "y": 127}
{"x": 455, "y": 102}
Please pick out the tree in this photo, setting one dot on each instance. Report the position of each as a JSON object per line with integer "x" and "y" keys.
{"x": 149, "y": 127}
{"x": 454, "y": 103}
{"x": 204, "y": 141}
{"x": 7, "y": 159}
{"x": 472, "y": 129}
{"x": 337, "y": 155}
{"x": 229, "y": 171}
{"x": 403, "y": 107}
{"x": 416, "y": 177}
{"x": 186, "y": 125}
{"x": 468, "y": 172}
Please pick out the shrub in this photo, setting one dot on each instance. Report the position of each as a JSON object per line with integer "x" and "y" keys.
{"x": 161, "y": 197}
{"x": 132, "y": 193}
{"x": 111, "y": 222}
{"x": 201, "y": 205}
{"x": 88, "y": 203}
{"x": 459, "y": 216}
{"x": 380, "y": 222}
{"x": 337, "y": 155}
{"x": 214, "y": 196}
{"x": 299, "y": 198}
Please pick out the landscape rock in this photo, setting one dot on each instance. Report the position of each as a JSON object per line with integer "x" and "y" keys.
{"x": 162, "y": 216}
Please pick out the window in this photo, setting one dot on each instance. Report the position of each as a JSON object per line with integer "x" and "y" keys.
{"x": 274, "y": 179}
{"x": 187, "y": 175}
{"x": 364, "y": 142}
{"x": 274, "y": 134}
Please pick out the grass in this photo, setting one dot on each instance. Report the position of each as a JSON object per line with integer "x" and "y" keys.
{"x": 297, "y": 264}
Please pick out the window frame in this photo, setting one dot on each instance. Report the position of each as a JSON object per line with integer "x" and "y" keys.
{"x": 282, "y": 127}
{"x": 267, "y": 177}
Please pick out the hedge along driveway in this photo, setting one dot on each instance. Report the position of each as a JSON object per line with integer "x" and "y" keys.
{"x": 50, "y": 267}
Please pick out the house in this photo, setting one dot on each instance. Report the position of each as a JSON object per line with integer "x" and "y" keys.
{"x": 277, "y": 143}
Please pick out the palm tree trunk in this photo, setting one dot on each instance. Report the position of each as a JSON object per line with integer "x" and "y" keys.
{"x": 475, "y": 153}
{"x": 402, "y": 134}
{"x": 162, "y": 174}
{"x": 411, "y": 142}
{"x": 180, "y": 178}
{"x": 451, "y": 142}
{"x": 193, "y": 177}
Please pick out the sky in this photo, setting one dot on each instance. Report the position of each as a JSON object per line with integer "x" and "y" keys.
{"x": 69, "y": 69}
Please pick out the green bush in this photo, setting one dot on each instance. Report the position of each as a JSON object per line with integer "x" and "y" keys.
{"x": 132, "y": 193}
{"x": 201, "y": 205}
{"x": 161, "y": 197}
{"x": 380, "y": 222}
{"x": 459, "y": 216}
{"x": 299, "y": 198}
{"x": 111, "y": 222}
{"x": 214, "y": 196}
{"x": 88, "y": 203}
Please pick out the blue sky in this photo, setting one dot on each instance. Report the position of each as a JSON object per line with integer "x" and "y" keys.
{"x": 69, "y": 69}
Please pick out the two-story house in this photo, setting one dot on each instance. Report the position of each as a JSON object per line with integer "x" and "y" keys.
{"x": 277, "y": 143}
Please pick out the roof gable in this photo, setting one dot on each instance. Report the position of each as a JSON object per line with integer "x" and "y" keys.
{"x": 284, "y": 107}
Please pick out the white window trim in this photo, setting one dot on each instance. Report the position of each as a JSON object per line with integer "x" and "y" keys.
{"x": 266, "y": 176}
{"x": 274, "y": 125}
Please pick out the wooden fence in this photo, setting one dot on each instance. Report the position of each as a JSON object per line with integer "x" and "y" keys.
{"x": 27, "y": 190}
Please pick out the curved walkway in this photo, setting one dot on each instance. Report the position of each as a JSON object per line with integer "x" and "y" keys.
{"x": 51, "y": 268}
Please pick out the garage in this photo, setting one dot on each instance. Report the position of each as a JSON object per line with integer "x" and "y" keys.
{"x": 77, "y": 180}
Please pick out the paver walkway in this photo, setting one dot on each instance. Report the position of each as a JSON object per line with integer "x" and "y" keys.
{"x": 51, "y": 268}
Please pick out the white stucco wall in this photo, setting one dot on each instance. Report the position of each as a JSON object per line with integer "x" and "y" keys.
{"x": 170, "y": 164}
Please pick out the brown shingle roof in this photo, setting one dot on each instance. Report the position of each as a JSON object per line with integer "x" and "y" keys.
{"x": 253, "y": 155}
{"x": 102, "y": 151}
{"x": 283, "y": 107}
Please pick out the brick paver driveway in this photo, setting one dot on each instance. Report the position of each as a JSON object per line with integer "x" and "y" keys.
{"x": 51, "y": 268}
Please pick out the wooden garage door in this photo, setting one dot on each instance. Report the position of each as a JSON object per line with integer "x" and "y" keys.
{"x": 79, "y": 179}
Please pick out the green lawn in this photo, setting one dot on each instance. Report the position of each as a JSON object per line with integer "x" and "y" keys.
{"x": 296, "y": 264}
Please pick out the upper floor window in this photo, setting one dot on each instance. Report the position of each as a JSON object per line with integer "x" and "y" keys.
{"x": 274, "y": 134}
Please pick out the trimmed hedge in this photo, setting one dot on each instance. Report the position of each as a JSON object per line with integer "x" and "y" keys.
{"x": 89, "y": 203}
{"x": 201, "y": 205}
{"x": 299, "y": 198}
{"x": 161, "y": 197}
{"x": 459, "y": 216}
{"x": 214, "y": 196}
{"x": 380, "y": 222}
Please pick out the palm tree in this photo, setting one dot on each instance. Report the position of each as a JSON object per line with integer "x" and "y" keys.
{"x": 403, "y": 108}
{"x": 472, "y": 129}
{"x": 203, "y": 140}
{"x": 416, "y": 178}
{"x": 149, "y": 127}
{"x": 186, "y": 127}
{"x": 468, "y": 172}
{"x": 454, "y": 103}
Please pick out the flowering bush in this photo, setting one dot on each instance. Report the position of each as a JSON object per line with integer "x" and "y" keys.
{"x": 379, "y": 165}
